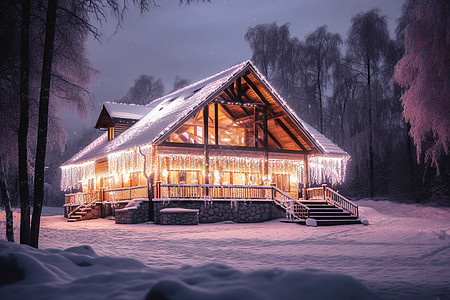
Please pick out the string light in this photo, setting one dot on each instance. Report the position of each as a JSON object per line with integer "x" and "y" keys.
{"x": 72, "y": 176}
{"x": 121, "y": 164}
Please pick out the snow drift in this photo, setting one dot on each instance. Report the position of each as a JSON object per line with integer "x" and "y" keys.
{"x": 78, "y": 272}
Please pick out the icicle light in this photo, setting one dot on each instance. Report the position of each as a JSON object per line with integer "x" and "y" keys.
{"x": 327, "y": 169}
{"x": 73, "y": 175}
{"x": 128, "y": 161}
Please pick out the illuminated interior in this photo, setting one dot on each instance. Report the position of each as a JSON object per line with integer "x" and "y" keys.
{"x": 230, "y": 132}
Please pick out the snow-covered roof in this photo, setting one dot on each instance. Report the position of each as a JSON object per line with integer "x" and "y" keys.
{"x": 167, "y": 113}
{"x": 126, "y": 111}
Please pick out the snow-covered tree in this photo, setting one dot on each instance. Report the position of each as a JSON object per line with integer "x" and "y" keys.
{"x": 367, "y": 41}
{"x": 145, "y": 89}
{"x": 323, "y": 55}
{"x": 424, "y": 73}
{"x": 179, "y": 83}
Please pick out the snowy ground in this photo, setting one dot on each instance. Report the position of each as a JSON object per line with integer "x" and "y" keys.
{"x": 403, "y": 254}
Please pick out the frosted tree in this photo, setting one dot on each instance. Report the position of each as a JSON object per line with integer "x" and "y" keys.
{"x": 367, "y": 40}
{"x": 263, "y": 40}
{"x": 145, "y": 89}
{"x": 282, "y": 59}
{"x": 179, "y": 83}
{"x": 424, "y": 72}
{"x": 323, "y": 54}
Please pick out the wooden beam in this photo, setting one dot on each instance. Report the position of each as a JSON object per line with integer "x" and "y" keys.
{"x": 229, "y": 112}
{"x": 265, "y": 144}
{"x": 305, "y": 177}
{"x": 227, "y": 147}
{"x": 216, "y": 123}
{"x": 293, "y": 137}
{"x": 220, "y": 101}
{"x": 205, "y": 142}
{"x": 256, "y": 127}
{"x": 256, "y": 90}
{"x": 230, "y": 94}
{"x": 239, "y": 89}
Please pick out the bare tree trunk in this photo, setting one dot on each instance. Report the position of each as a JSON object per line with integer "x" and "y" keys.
{"x": 43, "y": 121}
{"x": 319, "y": 90}
{"x": 24, "y": 190}
{"x": 371, "y": 171}
{"x": 409, "y": 148}
{"x": 7, "y": 202}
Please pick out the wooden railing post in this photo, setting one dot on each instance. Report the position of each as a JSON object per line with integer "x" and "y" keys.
{"x": 158, "y": 189}
{"x": 324, "y": 190}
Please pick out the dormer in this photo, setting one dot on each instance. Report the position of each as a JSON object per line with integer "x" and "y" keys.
{"x": 118, "y": 117}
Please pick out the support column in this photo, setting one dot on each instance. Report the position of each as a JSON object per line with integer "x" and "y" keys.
{"x": 205, "y": 142}
{"x": 216, "y": 123}
{"x": 266, "y": 145}
{"x": 256, "y": 127}
{"x": 305, "y": 177}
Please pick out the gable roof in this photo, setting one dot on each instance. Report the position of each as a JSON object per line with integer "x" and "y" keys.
{"x": 120, "y": 112}
{"x": 171, "y": 111}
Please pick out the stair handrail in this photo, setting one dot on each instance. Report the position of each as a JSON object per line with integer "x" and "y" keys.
{"x": 341, "y": 201}
{"x": 79, "y": 208}
{"x": 73, "y": 211}
{"x": 302, "y": 211}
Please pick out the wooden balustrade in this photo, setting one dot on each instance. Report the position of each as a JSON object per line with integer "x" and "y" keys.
{"x": 80, "y": 198}
{"x": 107, "y": 195}
{"x": 212, "y": 191}
{"x": 125, "y": 193}
{"x": 326, "y": 194}
{"x": 339, "y": 200}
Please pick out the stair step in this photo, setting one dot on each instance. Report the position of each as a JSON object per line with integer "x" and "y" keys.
{"x": 334, "y": 217}
{"x": 314, "y": 212}
{"x": 314, "y": 202}
{"x": 330, "y": 222}
{"x": 325, "y": 209}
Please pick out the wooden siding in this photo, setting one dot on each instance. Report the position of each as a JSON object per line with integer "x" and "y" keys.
{"x": 120, "y": 128}
{"x": 101, "y": 168}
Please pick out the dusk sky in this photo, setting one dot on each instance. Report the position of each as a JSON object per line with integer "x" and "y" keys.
{"x": 202, "y": 39}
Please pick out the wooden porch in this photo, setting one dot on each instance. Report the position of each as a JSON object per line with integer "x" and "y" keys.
{"x": 296, "y": 209}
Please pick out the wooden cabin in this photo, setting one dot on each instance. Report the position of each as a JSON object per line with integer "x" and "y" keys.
{"x": 229, "y": 136}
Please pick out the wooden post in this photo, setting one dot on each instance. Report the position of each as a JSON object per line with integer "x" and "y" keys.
{"x": 151, "y": 195}
{"x": 216, "y": 123}
{"x": 205, "y": 145}
{"x": 324, "y": 190}
{"x": 266, "y": 145}
{"x": 256, "y": 127}
{"x": 158, "y": 189}
{"x": 305, "y": 177}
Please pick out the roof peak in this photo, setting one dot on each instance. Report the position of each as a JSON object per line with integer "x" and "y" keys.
{"x": 195, "y": 84}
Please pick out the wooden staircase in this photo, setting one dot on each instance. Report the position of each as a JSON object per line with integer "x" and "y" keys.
{"x": 82, "y": 212}
{"x": 326, "y": 214}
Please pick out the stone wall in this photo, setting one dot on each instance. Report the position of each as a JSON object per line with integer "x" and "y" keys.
{"x": 178, "y": 216}
{"x": 239, "y": 211}
{"x": 136, "y": 211}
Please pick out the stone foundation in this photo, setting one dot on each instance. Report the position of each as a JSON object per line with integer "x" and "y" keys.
{"x": 136, "y": 211}
{"x": 178, "y": 216}
{"x": 239, "y": 211}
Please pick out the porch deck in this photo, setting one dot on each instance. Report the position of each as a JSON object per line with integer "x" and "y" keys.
{"x": 295, "y": 209}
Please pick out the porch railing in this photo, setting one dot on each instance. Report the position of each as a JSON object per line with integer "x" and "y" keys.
{"x": 329, "y": 195}
{"x": 112, "y": 195}
{"x": 127, "y": 193}
{"x": 81, "y": 198}
{"x": 294, "y": 209}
